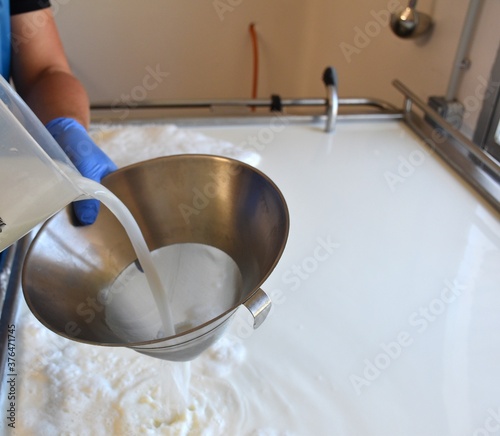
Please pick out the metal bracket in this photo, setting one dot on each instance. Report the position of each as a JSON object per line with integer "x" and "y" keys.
{"x": 259, "y": 305}
{"x": 471, "y": 162}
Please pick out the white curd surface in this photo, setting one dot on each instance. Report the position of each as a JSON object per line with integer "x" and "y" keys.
{"x": 386, "y": 314}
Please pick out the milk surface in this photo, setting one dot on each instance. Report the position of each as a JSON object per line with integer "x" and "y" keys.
{"x": 77, "y": 389}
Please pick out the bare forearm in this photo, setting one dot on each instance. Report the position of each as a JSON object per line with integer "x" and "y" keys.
{"x": 57, "y": 94}
{"x": 41, "y": 72}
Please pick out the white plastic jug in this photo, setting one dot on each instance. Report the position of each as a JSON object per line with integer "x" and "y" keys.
{"x": 33, "y": 170}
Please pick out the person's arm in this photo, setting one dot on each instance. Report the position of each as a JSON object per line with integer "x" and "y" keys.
{"x": 43, "y": 78}
{"x": 40, "y": 69}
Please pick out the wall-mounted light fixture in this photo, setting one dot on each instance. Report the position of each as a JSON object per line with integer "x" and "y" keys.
{"x": 409, "y": 23}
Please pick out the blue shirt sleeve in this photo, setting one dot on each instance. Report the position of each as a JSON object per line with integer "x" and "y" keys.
{"x": 5, "y": 39}
{"x": 8, "y": 8}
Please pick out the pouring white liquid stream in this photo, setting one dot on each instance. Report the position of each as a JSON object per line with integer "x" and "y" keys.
{"x": 175, "y": 378}
{"x": 101, "y": 193}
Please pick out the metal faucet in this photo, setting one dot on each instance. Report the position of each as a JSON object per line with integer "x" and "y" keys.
{"x": 332, "y": 100}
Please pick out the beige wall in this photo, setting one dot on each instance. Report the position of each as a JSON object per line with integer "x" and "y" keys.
{"x": 202, "y": 49}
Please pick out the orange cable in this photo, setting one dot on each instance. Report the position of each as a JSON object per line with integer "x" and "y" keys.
{"x": 255, "y": 46}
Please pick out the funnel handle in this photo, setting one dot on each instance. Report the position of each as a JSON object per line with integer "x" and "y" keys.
{"x": 259, "y": 305}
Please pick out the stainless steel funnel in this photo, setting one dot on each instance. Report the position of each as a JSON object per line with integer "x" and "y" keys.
{"x": 70, "y": 273}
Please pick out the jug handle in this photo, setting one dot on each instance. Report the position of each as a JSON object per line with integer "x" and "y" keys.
{"x": 259, "y": 305}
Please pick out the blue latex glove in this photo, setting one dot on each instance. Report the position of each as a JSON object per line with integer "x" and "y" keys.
{"x": 87, "y": 157}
